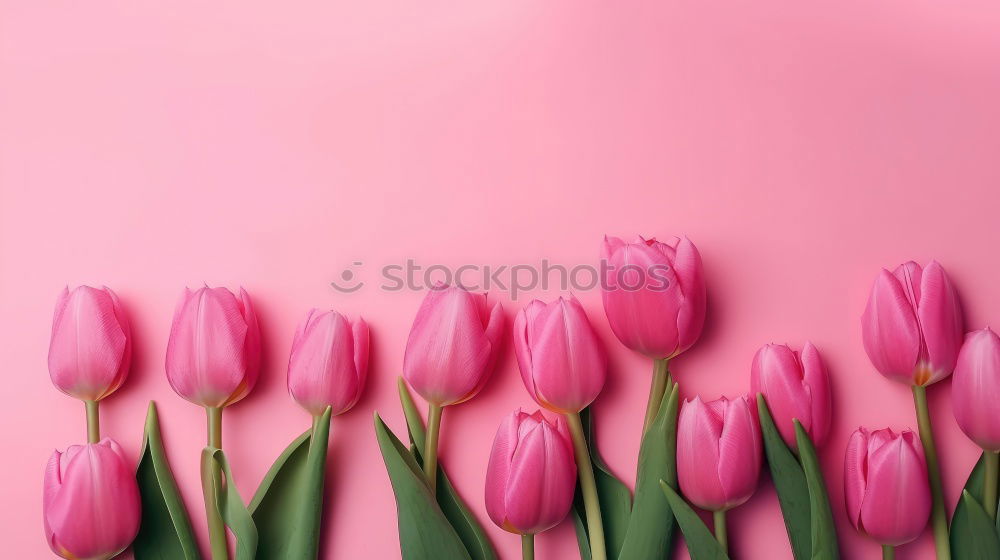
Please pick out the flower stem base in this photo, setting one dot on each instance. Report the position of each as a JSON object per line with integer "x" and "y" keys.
{"x": 939, "y": 516}
{"x": 588, "y": 486}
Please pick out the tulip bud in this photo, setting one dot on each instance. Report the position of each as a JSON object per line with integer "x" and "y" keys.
{"x": 531, "y": 475}
{"x": 795, "y": 387}
{"x": 562, "y": 361}
{"x": 213, "y": 354}
{"x": 975, "y": 388}
{"x": 91, "y": 346}
{"x": 654, "y": 294}
{"x": 90, "y": 502}
{"x": 718, "y": 452}
{"x": 452, "y": 346}
{"x": 328, "y": 363}
{"x": 912, "y": 326}
{"x": 885, "y": 485}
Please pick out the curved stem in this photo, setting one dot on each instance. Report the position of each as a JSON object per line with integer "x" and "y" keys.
{"x": 939, "y": 516}
{"x": 527, "y": 547}
{"x": 211, "y": 479}
{"x": 990, "y": 483}
{"x": 431, "y": 450}
{"x": 93, "y": 421}
{"x": 721, "y": 534}
{"x": 588, "y": 486}
{"x": 888, "y": 552}
{"x": 657, "y": 389}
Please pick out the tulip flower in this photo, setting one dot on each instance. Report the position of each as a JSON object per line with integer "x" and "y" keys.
{"x": 975, "y": 392}
{"x": 328, "y": 363}
{"x": 90, "y": 502}
{"x": 795, "y": 386}
{"x": 912, "y": 326}
{"x": 885, "y": 486}
{"x": 654, "y": 297}
{"x": 213, "y": 354}
{"x": 90, "y": 349}
{"x": 450, "y": 353}
{"x": 563, "y": 366}
{"x": 912, "y": 331}
{"x": 718, "y": 455}
{"x": 562, "y": 361}
{"x": 213, "y": 359}
{"x": 531, "y": 477}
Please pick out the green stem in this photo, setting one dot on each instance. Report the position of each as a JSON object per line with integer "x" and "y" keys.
{"x": 939, "y": 516}
{"x": 888, "y": 552}
{"x": 721, "y": 534}
{"x": 595, "y": 526}
{"x": 315, "y": 424}
{"x": 93, "y": 422}
{"x": 990, "y": 483}
{"x": 431, "y": 450}
{"x": 211, "y": 479}
{"x": 527, "y": 547}
{"x": 657, "y": 389}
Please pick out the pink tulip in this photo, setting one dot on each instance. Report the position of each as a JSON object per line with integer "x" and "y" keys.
{"x": 453, "y": 345}
{"x": 885, "y": 485}
{"x": 975, "y": 388}
{"x": 329, "y": 362}
{"x": 213, "y": 354}
{"x": 912, "y": 326}
{"x": 795, "y": 387}
{"x": 531, "y": 476}
{"x": 91, "y": 346}
{"x": 90, "y": 502}
{"x": 718, "y": 452}
{"x": 561, "y": 359}
{"x": 654, "y": 294}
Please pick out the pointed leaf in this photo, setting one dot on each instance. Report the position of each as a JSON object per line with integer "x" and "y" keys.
{"x": 789, "y": 483}
{"x": 454, "y": 508}
{"x": 288, "y": 507}
{"x": 651, "y": 524}
{"x": 230, "y": 504}
{"x": 823, "y": 530}
{"x": 614, "y": 497}
{"x": 969, "y": 536}
{"x": 424, "y": 531}
{"x": 165, "y": 532}
{"x": 699, "y": 540}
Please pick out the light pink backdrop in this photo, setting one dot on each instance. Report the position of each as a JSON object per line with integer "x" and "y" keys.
{"x": 149, "y": 146}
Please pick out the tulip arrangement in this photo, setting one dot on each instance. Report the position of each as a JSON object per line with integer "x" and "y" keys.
{"x": 544, "y": 466}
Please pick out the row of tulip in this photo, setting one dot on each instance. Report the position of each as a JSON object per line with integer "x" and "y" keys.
{"x": 540, "y": 469}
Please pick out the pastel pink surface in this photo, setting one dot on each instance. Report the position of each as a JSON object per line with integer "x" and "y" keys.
{"x": 801, "y": 146}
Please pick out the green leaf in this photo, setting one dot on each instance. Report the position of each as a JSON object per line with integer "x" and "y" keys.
{"x": 651, "y": 524}
{"x": 165, "y": 532}
{"x": 288, "y": 506}
{"x": 614, "y": 496}
{"x": 424, "y": 531}
{"x": 789, "y": 482}
{"x": 824, "y": 531}
{"x": 973, "y": 534}
{"x": 454, "y": 508}
{"x": 230, "y": 504}
{"x": 970, "y": 537}
{"x": 700, "y": 541}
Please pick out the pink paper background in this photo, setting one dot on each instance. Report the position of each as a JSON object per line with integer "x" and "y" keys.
{"x": 149, "y": 146}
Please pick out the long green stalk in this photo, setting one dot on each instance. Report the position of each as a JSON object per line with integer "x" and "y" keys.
{"x": 588, "y": 485}
{"x": 93, "y": 421}
{"x": 990, "y": 483}
{"x": 939, "y": 516}
{"x": 211, "y": 478}
{"x": 527, "y": 547}
{"x": 657, "y": 389}
{"x": 431, "y": 451}
{"x": 721, "y": 534}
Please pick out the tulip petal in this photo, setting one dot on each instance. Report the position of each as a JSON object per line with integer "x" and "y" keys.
{"x": 817, "y": 383}
{"x": 975, "y": 389}
{"x": 941, "y": 321}
{"x": 739, "y": 453}
{"x": 698, "y": 433}
{"x": 688, "y": 273}
{"x": 889, "y": 328}
{"x": 568, "y": 361}
{"x": 856, "y": 475}
{"x": 897, "y": 502}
